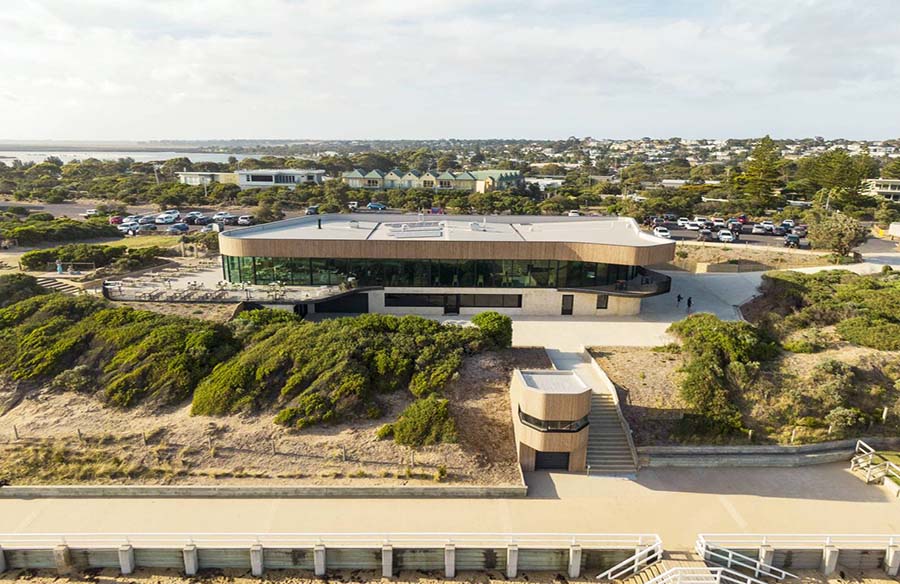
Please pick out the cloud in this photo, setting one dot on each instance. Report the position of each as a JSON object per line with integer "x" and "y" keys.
{"x": 127, "y": 69}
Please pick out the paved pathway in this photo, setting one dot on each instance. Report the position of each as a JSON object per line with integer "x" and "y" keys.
{"x": 676, "y": 503}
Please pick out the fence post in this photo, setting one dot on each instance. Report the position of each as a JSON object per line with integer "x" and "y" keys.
{"x": 450, "y": 561}
{"x": 319, "y": 559}
{"x": 766, "y": 556}
{"x": 512, "y": 560}
{"x": 574, "y": 560}
{"x": 62, "y": 558}
{"x": 191, "y": 564}
{"x": 387, "y": 561}
{"x": 256, "y": 560}
{"x": 126, "y": 559}
{"x": 892, "y": 560}
{"x": 829, "y": 559}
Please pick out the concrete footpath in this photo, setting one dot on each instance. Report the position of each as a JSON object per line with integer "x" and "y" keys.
{"x": 676, "y": 503}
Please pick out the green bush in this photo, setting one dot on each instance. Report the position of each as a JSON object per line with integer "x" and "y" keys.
{"x": 876, "y": 333}
{"x": 845, "y": 418}
{"x": 36, "y": 232}
{"x": 497, "y": 328}
{"x": 385, "y": 431}
{"x": 17, "y": 287}
{"x": 99, "y": 255}
{"x": 425, "y": 422}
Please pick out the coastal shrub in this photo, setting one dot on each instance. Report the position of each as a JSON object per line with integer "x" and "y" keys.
{"x": 120, "y": 259}
{"x": 425, "y": 422}
{"x": 876, "y": 333}
{"x": 497, "y": 328}
{"x": 845, "y": 418}
{"x": 131, "y": 355}
{"x": 16, "y": 287}
{"x": 35, "y": 232}
{"x": 322, "y": 372}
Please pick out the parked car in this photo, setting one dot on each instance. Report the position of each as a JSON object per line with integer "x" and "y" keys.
{"x": 705, "y": 235}
{"x": 165, "y": 219}
{"x": 788, "y": 223}
{"x": 90, "y": 213}
{"x": 767, "y": 223}
{"x": 131, "y": 219}
{"x": 146, "y": 228}
{"x": 312, "y": 210}
{"x": 209, "y": 228}
{"x": 220, "y": 215}
{"x": 725, "y": 236}
{"x": 245, "y": 220}
{"x": 659, "y": 222}
{"x": 116, "y": 219}
{"x": 230, "y": 220}
{"x": 692, "y": 226}
{"x": 661, "y": 231}
{"x": 778, "y": 230}
{"x": 353, "y": 205}
{"x": 718, "y": 222}
{"x": 670, "y": 216}
{"x": 127, "y": 227}
{"x": 698, "y": 219}
{"x": 743, "y": 219}
{"x": 178, "y": 229}
{"x": 758, "y": 229}
{"x": 191, "y": 218}
{"x": 574, "y": 213}
{"x": 147, "y": 220}
{"x": 682, "y": 222}
{"x": 792, "y": 240}
{"x": 376, "y": 206}
{"x": 224, "y": 218}
{"x": 800, "y": 230}
{"x": 203, "y": 220}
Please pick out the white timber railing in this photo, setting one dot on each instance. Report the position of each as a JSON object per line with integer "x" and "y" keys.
{"x": 875, "y": 466}
{"x": 800, "y": 541}
{"x": 730, "y": 559}
{"x": 348, "y": 540}
{"x": 642, "y": 558}
{"x": 703, "y": 576}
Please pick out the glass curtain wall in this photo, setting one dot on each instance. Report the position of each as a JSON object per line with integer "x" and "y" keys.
{"x": 426, "y": 273}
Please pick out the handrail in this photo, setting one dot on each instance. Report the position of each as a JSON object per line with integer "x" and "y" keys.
{"x": 614, "y": 393}
{"x": 719, "y": 555}
{"x": 865, "y": 458}
{"x": 351, "y": 540}
{"x": 703, "y": 576}
{"x": 641, "y": 559}
{"x": 797, "y": 540}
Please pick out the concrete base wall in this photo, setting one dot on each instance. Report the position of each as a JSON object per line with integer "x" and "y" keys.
{"x": 535, "y": 302}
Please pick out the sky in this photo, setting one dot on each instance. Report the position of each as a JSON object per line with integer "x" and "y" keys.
{"x": 422, "y": 69}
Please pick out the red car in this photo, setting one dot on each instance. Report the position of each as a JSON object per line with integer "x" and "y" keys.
{"x": 115, "y": 220}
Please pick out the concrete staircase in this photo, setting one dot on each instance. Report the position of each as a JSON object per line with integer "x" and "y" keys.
{"x": 608, "y": 451}
{"x": 670, "y": 560}
{"x": 59, "y": 286}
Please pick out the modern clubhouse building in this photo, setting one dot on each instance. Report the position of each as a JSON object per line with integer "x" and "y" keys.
{"x": 404, "y": 264}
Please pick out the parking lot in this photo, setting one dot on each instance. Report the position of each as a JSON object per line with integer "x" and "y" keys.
{"x": 746, "y": 237}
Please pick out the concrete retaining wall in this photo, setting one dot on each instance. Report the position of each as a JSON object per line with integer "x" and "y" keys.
{"x": 163, "y": 491}
{"x": 784, "y": 456}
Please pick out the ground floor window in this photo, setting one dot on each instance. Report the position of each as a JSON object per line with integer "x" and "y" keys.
{"x": 602, "y": 301}
{"x": 465, "y": 300}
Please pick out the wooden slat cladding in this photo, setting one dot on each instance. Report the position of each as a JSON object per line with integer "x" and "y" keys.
{"x": 624, "y": 255}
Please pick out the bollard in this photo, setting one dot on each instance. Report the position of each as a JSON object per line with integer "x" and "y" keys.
{"x": 126, "y": 559}
{"x": 574, "y": 560}
{"x": 512, "y": 560}
{"x": 62, "y": 558}
{"x": 256, "y": 560}
{"x": 191, "y": 563}
{"x": 319, "y": 559}
{"x": 892, "y": 560}
{"x": 450, "y": 561}
{"x": 829, "y": 559}
{"x": 387, "y": 561}
{"x": 766, "y": 557}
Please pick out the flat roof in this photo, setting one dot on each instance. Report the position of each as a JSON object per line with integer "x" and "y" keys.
{"x": 474, "y": 228}
{"x": 549, "y": 381}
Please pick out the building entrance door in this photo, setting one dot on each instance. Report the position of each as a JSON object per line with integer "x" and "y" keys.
{"x": 568, "y": 303}
{"x": 451, "y": 303}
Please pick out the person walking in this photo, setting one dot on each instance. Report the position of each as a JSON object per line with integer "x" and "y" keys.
{"x": 690, "y": 303}
{"x": 678, "y": 300}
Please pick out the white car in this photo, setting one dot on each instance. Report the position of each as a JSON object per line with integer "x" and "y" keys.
{"x": 692, "y": 226}
{"x": 129, "y": 226}
{"x": 767, "y": 222}
{"x": 194, "y": 214}
{"x": 662, "y": 232}
{"x": 221, "y": 215}
{"x": 682, "y": 222}
{"x": 245, "y": 220}
{"x": 574, "y": 213}
{"x": 718, "y": 222}
{"x": 166, "y": 219}
{"x": 726, "y": 236}
{"x": 90, "y": 213}
{"x": 700, "y": 220}
{"x": 353, "y": 205}
{"x": 758, "y": 229}
{"x": 788, "y": 223}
